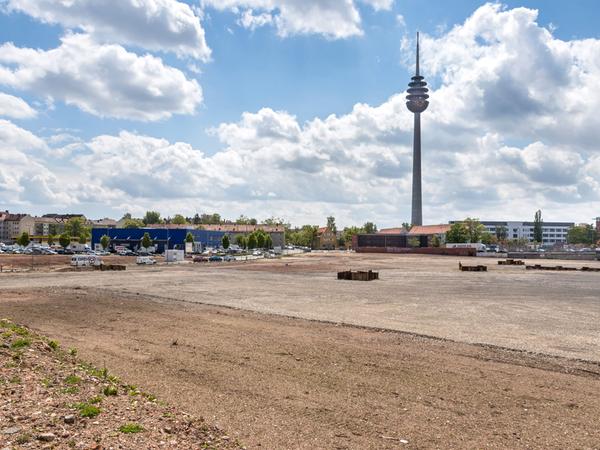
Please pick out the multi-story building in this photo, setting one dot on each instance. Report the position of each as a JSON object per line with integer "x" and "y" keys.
{"x": 13, "y": 225}
{"x": 552, "y": 232}
{"x": 326, "y": 239}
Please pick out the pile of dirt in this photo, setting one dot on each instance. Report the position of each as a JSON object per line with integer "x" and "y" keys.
{"x": 50, "y": 399}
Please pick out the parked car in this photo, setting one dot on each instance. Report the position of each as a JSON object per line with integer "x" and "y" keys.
{"x": 228, "y": 258}
{"x": 215, "y": 258}
{"x": 199, "y": 259}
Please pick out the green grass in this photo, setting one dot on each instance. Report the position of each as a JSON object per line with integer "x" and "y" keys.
{"x": 96, "y": 399}
{"x": 70, "y": 390}
{"x": 53, "y": 345}
{"x": 110, "y": 390}
{"x": 21, "y": 343}
{"x": 131, "y": 428}
{"x": 73, "y": 351}
{"x": 87, "y": 410}
{"x": 72, "y": 379}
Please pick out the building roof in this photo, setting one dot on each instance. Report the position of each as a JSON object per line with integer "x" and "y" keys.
{"x": 106, "y": 222}
{"x": 228, "y": 227}
{"x": 399, "y": 230}
{"x": 235, "y": 228}
{"x": 429, "y": 229}
{"x": 14, "y": 217}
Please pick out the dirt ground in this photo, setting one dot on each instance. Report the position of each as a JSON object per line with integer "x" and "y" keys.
{"x": 275, "y": 382}
{"x": 49, "y": 398}
{"x": 513, "y": 361}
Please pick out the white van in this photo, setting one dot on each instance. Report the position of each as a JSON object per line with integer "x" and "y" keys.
{"x": 85, "y": 260}
{"x": 145, "y": 260}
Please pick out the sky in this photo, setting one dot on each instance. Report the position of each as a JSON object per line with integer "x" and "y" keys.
{"x": 296, "y": 108}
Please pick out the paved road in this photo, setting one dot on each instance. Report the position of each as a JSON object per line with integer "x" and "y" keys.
{"x": 556, "y": 313}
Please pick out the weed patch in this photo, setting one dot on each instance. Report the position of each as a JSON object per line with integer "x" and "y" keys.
{"x": 87, "y": 410}
{"x": 21, "y": 343}
{"x": 131, "y": 428}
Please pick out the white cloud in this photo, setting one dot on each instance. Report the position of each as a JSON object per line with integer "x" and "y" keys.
{"x": 24, "y": 178}
{"x": 160, "y": 25}
{"x": 105, "y": 80}
{"x": 336, "y": 19}
{"x": 15, "y": 107}
{"x": 484, "y": 156}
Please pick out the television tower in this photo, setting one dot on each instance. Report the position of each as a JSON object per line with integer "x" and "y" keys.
{"x": 416, "y": 102}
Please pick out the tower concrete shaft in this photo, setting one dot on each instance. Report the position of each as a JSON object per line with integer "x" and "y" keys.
{"x": 417, "y": 198}
{"x": 417, "y": 103}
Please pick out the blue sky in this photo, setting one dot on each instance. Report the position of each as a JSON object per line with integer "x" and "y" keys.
{"x": 301, "y": 77}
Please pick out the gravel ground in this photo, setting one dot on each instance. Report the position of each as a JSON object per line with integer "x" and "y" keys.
{"x": 276, "y": 382}
{"x": 51, "y": 399}
{"x": 555, "y": 313}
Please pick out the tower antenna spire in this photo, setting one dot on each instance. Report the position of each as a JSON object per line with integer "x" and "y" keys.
{"x": 417, "y": 54}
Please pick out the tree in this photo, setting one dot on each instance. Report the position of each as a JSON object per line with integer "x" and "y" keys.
{"x": 276, "y": 221}
{"x": 331, "y": 224}
{"x": 538, "y": 234}
{"x": 105, "y": 241}
{"x": 407, "y": 226}
{"x": 488, "y": 238}
{"x": 501, "y": 232}
{"x": 260, "y": 237}
{"x": 126, "y": 216}
{"x": 76, "y": 227}
{"x": 146, "y": 240}
{"x": 23, "y": 240}
{"x": 196, "y": 220}
{"x": 251, "y": 241}
{"x": 151, "y": 217}
{"x": 51, "y": 238}
{"x": 83, "y": 239}
{"x": 369, "y": 228}
{"x": 582, "y": 234}
{"x": 133, "y": 223}
{"x": 210, "y": 219}
{"x": 64, "y": 240}
{"x": 474, "y": 229}
{"x": 178, "y": 219}
{"x": 457, "y": 234}
{"x": 225, "y": 241}
{"x": 349, "y": 232}
{"x": 189, "y": 237}
{"x": 268, "y": 241}
{"x": 240, "y": 240}
{"x": 243, "y": 220}
{"x": 436, "y": 241}
{"x": 52, "y": 229}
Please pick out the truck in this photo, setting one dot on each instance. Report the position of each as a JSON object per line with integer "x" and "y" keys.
{"x": 476, "y": 245}
{"x": 86, "y": 260}
{"x": 79, "y": 248}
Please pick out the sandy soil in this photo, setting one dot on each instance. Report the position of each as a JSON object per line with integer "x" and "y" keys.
{"x": 276, "y": 382}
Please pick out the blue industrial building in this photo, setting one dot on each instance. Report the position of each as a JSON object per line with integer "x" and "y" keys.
{"x": 161, "y": 237}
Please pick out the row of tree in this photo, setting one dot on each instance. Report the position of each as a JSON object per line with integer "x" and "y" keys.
{"x": 154, "y": 217}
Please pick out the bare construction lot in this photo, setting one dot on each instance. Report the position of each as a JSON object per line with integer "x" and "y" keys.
{"x": 280, "y": 382}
